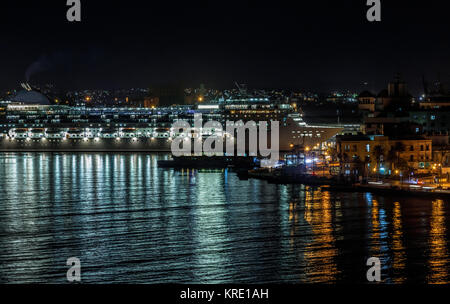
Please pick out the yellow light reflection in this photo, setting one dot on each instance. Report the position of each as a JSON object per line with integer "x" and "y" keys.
{"x": 375, "y": 237}
{"x": 398, "y": 263}
{"x": 438, "y": 260}
{"x": 321, "y": 252}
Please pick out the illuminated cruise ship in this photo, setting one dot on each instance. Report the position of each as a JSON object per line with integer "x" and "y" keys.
{"x": 29, "y": 122}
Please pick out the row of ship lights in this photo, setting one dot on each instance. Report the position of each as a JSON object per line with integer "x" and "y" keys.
{"x": 97, "y": 139}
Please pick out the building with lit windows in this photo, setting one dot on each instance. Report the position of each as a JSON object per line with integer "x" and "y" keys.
{"x": 363, "y": 155}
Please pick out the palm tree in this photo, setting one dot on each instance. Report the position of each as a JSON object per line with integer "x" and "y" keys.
{"x": 392, "y": 158}
{"x": 332, "y": 152}
{"x": 357, "y": 166}
{"x": 378, "y": 151}
{"x": 366, "y": 169}
{"x": 399, "y": 147}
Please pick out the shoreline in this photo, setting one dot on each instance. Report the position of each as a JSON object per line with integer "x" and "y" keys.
{"x": 389, "y": 191}
{"x": 336, "y": 185}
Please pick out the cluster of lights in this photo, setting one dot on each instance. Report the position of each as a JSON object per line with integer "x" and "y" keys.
{"x": 382, "y": 169}
{"x": 96, "y": 139}
{"x": 435, "y": 166}
{"x": 88, "y": 135}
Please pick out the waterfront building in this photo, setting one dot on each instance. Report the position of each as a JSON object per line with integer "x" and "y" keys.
{"x": 362, "y": 155}
{"x": 432, "y": 120}
{"x": 366, "y": 101}
{"x": 391, "y": 125}
{"x": 441, "y": 162}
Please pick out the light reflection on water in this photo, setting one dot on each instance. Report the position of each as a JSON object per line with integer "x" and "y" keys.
{"x": 398, "y": 249}
{"x": 129, "y": 221}
{"x": 438, "y": 261}
{"x": 320, "y": 252}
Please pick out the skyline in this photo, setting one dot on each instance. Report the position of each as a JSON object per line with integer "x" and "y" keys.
{"x": 319, "y": 47}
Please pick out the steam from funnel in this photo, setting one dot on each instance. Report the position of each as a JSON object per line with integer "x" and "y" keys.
{"x": 41, "y": 65}
{"x": 47, "y": 62}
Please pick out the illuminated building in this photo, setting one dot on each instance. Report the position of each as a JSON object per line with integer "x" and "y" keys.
{"x": 366, "y": 101}
{"x": 361, "y": 154}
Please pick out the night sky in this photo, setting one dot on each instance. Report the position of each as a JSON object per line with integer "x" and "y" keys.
{"x": 317, "y": 45}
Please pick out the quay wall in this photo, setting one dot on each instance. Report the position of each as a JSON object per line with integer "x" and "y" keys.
{"x": 90, "y": 145}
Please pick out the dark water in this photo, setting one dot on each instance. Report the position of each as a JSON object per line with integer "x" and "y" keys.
{"x": 130, "y": 222}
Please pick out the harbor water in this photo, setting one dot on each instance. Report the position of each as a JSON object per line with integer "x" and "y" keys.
{"x": 129, "y": 221}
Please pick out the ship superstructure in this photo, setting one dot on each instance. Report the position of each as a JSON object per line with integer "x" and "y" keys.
{"x": 34, "y": 126}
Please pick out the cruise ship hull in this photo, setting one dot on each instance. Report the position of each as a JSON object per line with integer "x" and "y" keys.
{"x": 288, "y": 138}
{"x": 89, "y": 145}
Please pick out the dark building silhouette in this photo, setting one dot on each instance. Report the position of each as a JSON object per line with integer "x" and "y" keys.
{"x": 168, "y": 94}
